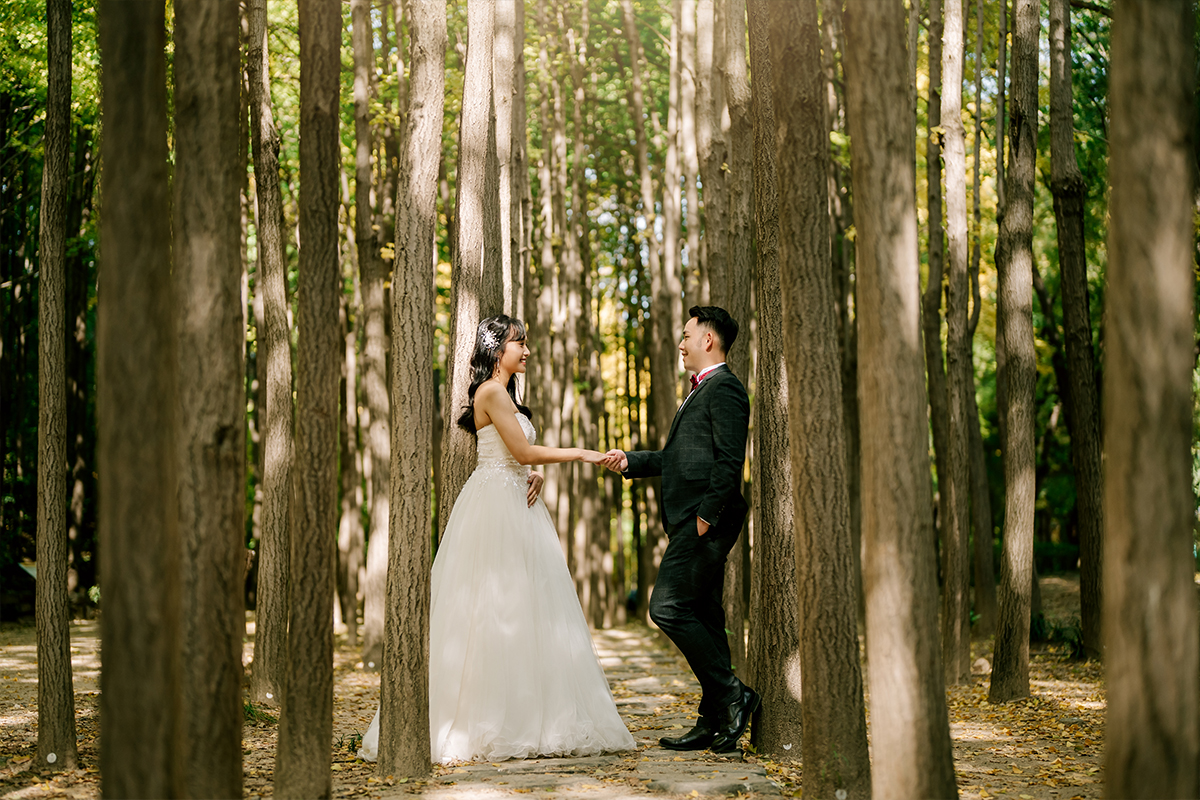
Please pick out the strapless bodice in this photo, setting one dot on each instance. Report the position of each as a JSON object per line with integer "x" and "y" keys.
{"x": 493, "y": 456}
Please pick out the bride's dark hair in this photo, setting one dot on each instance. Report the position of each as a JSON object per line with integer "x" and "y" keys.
{"x": 490, "y": 337}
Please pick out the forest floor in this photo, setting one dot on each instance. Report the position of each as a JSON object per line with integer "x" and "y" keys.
{"x": 1047, "y": 747}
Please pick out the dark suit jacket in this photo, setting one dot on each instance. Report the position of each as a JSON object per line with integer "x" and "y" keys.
{"x": 701, "y": 463}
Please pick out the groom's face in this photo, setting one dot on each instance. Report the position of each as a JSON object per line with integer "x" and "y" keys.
{"x": 693, "y": 345}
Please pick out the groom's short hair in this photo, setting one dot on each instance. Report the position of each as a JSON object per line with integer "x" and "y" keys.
{"x": 719, "y": 322}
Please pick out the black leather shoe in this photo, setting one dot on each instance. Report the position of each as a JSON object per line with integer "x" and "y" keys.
{"x": 697, "y": 738}
{"x": 733, "y": 721}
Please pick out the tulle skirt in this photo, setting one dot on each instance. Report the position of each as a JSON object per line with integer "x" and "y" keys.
{"x": 513, "y": 672}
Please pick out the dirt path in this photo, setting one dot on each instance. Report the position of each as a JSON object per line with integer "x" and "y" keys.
{"x": 1047, "y": 747}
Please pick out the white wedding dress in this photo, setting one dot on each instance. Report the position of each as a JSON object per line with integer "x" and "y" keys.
{"x": 512, "y": 669}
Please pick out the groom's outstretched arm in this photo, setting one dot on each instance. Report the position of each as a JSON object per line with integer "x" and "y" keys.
{"x": 642, "y": 464}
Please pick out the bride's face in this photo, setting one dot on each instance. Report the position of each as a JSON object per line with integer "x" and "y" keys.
{"x": 513, "y": 355}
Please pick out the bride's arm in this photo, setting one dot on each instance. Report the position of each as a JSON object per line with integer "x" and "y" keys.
{"x": 493, "y": 403}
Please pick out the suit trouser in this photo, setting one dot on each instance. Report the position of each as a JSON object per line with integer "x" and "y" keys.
{"x": 686, "y": 604}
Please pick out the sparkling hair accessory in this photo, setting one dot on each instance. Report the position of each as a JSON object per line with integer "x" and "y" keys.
{"x": 490, "y": 340}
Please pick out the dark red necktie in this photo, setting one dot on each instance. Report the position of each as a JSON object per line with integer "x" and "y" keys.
{"x": 695, "y": 379}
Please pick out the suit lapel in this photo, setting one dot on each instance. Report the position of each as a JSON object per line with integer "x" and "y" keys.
{"x": 687, "y": 401}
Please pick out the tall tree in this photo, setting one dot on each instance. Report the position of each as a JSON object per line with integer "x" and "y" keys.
{"x": 685, "y": 13}
{"x": 774, "y": 647}
{"x": 476, "y": 285}
{"x": 140, "y": 693}
{"x": 211, "y": 440}
{"x": 712, "y": 145}
{"x": 375, "y": 346}
{"x": 1080, "y": 398}
{"x": 981, "y": 500}
{"x": 733, "y": 291}
{"x": 911, "y": 734}
{"x": 271, "y": 610}
{"x": 57, "y": 747}
{"x": 931, "y": 299}
{"x": 955, "y": 483}
{"x": 1152, "y": 652}
{"x": 302, "y": 761}
{"x": 504, "y": 62}
{"x": 404, "y": 712}
{"x": 1010, "y": 671}
{"x": 834, "y": 719}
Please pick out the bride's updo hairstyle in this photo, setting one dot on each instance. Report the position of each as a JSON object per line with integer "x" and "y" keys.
{"x": 490, "y": 337}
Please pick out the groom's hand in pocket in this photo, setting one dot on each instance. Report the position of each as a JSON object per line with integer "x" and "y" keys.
{"x": 702, "y": 526}
{"x": 536, "y": 479}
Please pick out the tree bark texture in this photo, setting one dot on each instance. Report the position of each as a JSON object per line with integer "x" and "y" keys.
{"x": 1152, "y": 651}
{"x": 1010, "y": 670}
{"x": 375, "y": 345}
{"x": 686, "y": 15}
{"x": 834, "y": 719}
{"x": 404, "y": 714}
{"x": 931, "y": 299}
{"x": 140, "y": 694}
{"x": 774, "y": 647}
{"x": 910, "y": 731}
{"x": 981, "y": 500}
{"x": 302, "y": 762}
{"x": 472, "y": 298}
{"x": 712, "y": 147}
{"x": 56, "y": 747}
{"x": 211, "y": 443}
{"x": 960, "y": 379}
{"x": 350, "y": 529}
{"x": 271, "y": 610}
{"x": 1070, "y": 194}
{"x": 504, "y": 58}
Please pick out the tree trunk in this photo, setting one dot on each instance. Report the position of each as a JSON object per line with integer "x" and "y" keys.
{"x": 271, "y": 610}
{"x": 774, "y": 652}
{"x": 56, "y": 747}
{"x": 910, "y": 732}
{"x": 404, "y": 711}
{"x": 504, "y": 50}
{"x": 981, "y": 499}
{"x": 956, "y": 590}
{"x": 685, "y": 11}
{"x": 472, "y": 299}
{"x": 1150, "y": 624}
{"x": 141, "y": 721}
{"x": 375, "y": 348}
{"x": 1070, "y": 193}
{"x": 211, "y": 435}
{"x": 302, "y": 761}
{"x": 712, "y": 147}
{"x": 931, "y": 300}
{"x": 834, "y": 719}
{"x": 1010, "y": 670}
{"x": 350, "y": 529}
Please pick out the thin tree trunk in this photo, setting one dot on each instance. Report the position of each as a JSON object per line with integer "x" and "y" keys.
{"x": 350, "y": 529}
{"x": 956, "y": 589}
{"x": 686, "y": 20}
{"x": 141, "y": 721}
{"x": 712, "y": 147}
{"x": 1152, "y": 655}
{"x": 504, "y": 50}
{"x": 375, "y": 346}
{"x": 1010, "y": 670}
{"x": 734, "y": 266}
{"x": 981, "y": 499}
{"x": 302, "y": 761}
{"x": 834, "y": 719}
{"x": 56, "y": 747}
{"x": 910, "y": 731}
{"x": 404, "y": 709}
{"x": 774, "y": 651}
{"x": 211, "y": 443}
{"x": 931, "y": 300}
{"x": 1070, "y": 194}
{"x": 271, "y": 611}
{"x": 472, "y": 299}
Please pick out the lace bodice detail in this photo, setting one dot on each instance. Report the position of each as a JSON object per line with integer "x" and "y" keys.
{"x": 494, "y": 460}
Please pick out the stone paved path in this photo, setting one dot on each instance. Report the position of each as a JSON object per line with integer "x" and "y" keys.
{"x": 657, "y": 696}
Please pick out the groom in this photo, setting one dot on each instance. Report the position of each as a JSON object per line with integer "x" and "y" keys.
{"x": 702, "y": 510}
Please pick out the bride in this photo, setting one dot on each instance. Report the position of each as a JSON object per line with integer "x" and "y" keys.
{"x": 512, "y": 671}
